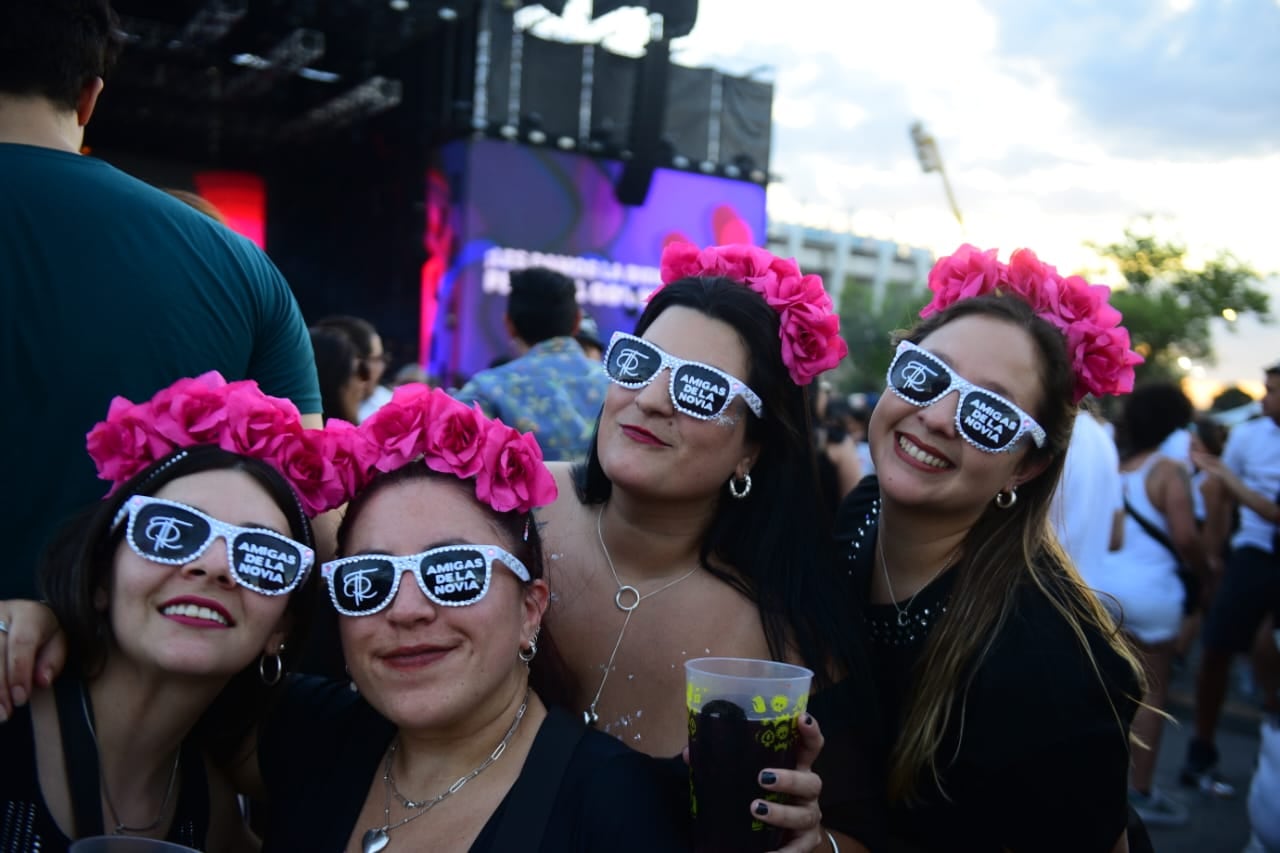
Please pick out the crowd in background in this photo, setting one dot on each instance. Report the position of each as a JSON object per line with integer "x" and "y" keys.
{"x": 991, "y": 584}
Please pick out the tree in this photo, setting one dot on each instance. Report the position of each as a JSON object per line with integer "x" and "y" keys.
{"x": 868, "y": 333}
{"x": 1169, "y": 308}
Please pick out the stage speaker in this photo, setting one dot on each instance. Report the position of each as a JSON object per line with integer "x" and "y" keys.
{"x": 648, "y": 109}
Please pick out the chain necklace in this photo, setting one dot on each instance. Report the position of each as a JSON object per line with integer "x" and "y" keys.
{"x": 379, "y": 837}
{"x": 626, "y": 599}
{"x": 904, "y": 613}
{"x": 121, "y": 828}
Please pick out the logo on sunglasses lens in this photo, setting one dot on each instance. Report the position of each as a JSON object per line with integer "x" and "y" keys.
{"x": 356, "y": 585}
{"x": 988, "y": 422}
{"x": 628, "y": 361}
{"x": 701, "y": 393}
{"x": 165, "y": 532}
{"x": 453, "y": 576}
{"x": 915, "y": 375}
{"x": 260, "y": 561}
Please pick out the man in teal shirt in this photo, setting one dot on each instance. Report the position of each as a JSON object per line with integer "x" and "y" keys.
{"x": 107, "y": 285}
{"x": 552, "y": 389}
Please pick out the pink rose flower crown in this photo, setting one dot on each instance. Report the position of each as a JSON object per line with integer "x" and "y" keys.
{"x": 326, "y": 467}
{"x": 1096, "y": 342}
{"x": 208, "y": 410}
{"x": 427, "y": 425}
{"x": 809, "y": 328}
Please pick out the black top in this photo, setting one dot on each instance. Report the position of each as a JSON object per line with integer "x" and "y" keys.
{"x": 25, "y": 821}
{"x": 1042, "y": 761}
{"x": 324, "y": 745}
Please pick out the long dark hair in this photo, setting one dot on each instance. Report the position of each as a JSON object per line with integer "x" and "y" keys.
{"x": 1005, "y": 549}
{"x": 776, "y": 541}
{"x": 518, "y": 534}
{"x": 79, "y": 562}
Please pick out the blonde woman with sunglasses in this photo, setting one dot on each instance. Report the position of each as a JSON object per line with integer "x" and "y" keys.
{"x": 1006, "y": 690}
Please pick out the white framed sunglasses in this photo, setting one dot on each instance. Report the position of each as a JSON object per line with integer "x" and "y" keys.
{"x": 174, "y": 534}
{"x": 697, "y": 390}
{"x": 985, "y": 419}
{"x": 450, "y": 576}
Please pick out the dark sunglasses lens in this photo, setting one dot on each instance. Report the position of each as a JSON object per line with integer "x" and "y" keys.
{"x": 918, "y": 376}
{"x": 265, "y": 562}
{"x": 168, "y": 532}
{"x": 700, "y": 391}
{"x": 988, "y": 420}
{"x": 633, "y": 362}
{"x": 363, "y": 584}
{"x": 455, "y": 576}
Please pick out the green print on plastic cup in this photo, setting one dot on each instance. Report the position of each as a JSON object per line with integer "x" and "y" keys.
{"x": 742, "y": 718}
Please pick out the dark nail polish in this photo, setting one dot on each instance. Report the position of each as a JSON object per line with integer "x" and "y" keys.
{"x": 762, "y": 809}
{"x": 808, "y": 719}
{"x": 768, "y": 777}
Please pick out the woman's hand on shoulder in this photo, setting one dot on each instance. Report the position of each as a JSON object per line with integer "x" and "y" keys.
{"x": 802, "y": 787}
{"x": 33, "y": 651}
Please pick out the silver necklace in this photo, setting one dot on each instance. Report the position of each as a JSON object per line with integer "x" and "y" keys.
{"x": 379, "y": 837}
{"x": 904, "y": 613}
{"x": 626, "y": 599}
{"x": 121, "y": 828}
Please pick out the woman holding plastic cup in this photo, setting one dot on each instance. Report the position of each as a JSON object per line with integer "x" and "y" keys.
{"x": 694, "y": 527}
{"x": 1006, "y": 687}
{"x": 180, "y": 593}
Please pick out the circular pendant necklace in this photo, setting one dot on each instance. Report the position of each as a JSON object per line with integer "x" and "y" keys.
{"x": 626, "y": 599}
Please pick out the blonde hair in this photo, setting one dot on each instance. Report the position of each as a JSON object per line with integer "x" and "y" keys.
{"x": 1004, "y": 550}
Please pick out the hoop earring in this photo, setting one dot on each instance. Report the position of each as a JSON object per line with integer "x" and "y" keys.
{"x": 1004, "y": 500}
{"x": 277, "y": 667}
{"x": 527, "y": 655}
{"x": 745, "y": 490}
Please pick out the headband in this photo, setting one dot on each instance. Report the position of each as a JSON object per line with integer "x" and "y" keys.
{"x": 809, "y": 328}
{"x": 453, "y": 438}
{"x": 326, "y": 467}
{"x": 1097, "y": 344}
{"x": 235, "y": 416}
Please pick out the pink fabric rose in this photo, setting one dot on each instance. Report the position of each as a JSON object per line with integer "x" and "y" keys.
{"x": 349, "y": 453}
{"x": 191, "y": 411}
{"x": 811, "y": 342}
{"x": 455, "y": 438}
{"x": 967, "y": 273}
{"x": 513, "y": 476}
{"x": 257, "y": 425}
{"x": 303, "y": 461}
{"x": 399, "y": 428}
{"x": 1102, "y": 358}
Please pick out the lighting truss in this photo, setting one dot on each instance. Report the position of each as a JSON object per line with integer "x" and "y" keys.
{"x": 375, "y": 95}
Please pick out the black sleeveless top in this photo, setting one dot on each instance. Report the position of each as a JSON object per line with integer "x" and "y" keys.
{"x": 25, "y": 821}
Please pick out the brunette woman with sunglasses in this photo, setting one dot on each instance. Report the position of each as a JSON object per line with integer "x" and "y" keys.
{"x": 695, "y": 528}
{"x": 181, "y": 597}
{"x": 447, "y": 742}
{"x": 1006, "y": 690}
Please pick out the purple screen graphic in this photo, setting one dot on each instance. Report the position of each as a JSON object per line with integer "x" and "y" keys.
{"x": 514, "y": 206}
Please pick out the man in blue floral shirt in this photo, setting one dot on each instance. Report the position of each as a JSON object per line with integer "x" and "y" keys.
{"x": 552, "y": 389}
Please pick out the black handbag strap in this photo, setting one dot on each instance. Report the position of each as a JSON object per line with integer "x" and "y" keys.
{"x": 524, "y": 820}
{"x": 1151, "y": 530}
{"x": 79, "y": 757}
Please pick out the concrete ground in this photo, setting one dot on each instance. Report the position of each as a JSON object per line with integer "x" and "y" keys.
{"x": 1216, "y": 825}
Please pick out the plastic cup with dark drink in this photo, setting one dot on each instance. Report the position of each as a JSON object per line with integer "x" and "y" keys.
{"x": 743, "y": 715}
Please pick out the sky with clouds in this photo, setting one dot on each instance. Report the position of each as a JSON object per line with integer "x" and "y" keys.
{"x": 1058, "y": 122}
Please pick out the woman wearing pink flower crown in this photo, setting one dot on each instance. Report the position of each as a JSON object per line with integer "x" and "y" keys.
{"x": 448, "y": 745}
{"x": 181, "y": 594}
{"x": 1006, "y": 690}
{"x": 694, "y": 527}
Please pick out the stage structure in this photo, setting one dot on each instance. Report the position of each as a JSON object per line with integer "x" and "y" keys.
{"x": 409, "y": 154}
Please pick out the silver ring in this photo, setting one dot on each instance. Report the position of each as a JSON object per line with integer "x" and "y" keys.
{"x": 4, "y": 627}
